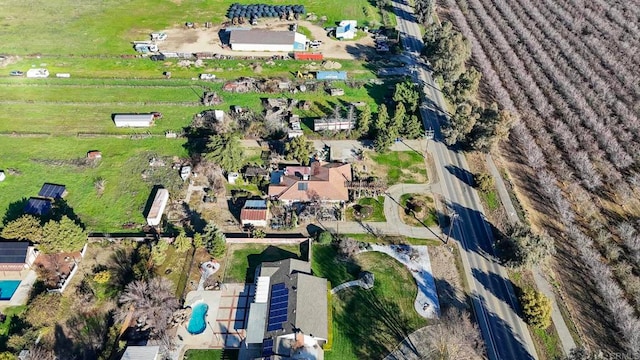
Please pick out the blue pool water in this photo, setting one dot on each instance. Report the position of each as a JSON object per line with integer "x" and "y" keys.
{"x": 7, "y": 288}
{"x": 197, "y": 322}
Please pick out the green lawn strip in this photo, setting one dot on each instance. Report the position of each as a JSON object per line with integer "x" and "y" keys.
{"x": 211, "y": 354}
{"x": 402, "y": 166}
{"x": 491, "y": 199}
{"x": 109, "y": 26}
{"x": 242, "y": 259}
{"x": 393, "y": 239}
{"x": 67, "y": 119}
{"x": 173, "y": 267}
{"x": 95, "y": 69}
{"x": 50, "y": 159}
{"x": 377, "y": 208}
{"x": 368, "y": 324}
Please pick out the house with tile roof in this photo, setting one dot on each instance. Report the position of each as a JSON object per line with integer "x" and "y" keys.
{"x": 288, "y": 318}
{"x": 319, "y": 181}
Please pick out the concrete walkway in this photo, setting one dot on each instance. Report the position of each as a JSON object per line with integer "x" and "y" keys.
{"x": 348, "y": 284}
{"x": 21, "y": 295}
{"x": 541, "y": 282}
{"x": 426, "y": 303}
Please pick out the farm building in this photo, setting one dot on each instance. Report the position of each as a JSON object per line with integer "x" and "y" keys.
{"x": 133, "y": 120}
{"x": 346, "y": 29}
{"x": 325, "y": 124}
{"x": 37, "y": 73}
{"x": 255, "y": 213}
{"x": 266, "y": 40}
{"x": 36, "y": 206}
{"x": 16, "y": 255}
{"x": 157, "y": 207}
{"x": 331, "y": 75}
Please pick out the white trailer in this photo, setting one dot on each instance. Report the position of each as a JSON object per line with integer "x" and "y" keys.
{"x": 37, "y": 73}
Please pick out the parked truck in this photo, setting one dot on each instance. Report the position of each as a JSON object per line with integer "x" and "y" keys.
{"x": 145, "y": 47}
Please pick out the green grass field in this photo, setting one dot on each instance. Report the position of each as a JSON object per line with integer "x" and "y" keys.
{"x": 376, "y": 205}
{"x": 400, "y": 166}
{"x": 242, "y": 259}
{"x": 368, "y": 324}
{"x": 108, "y": 26}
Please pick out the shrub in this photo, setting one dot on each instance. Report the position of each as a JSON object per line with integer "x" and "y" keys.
{"x": 536, "y": 308}
{"x": 484, "y": 182}
{"x": 182, "y": 243}
{"x": 324, "y": 237}
{"x": 103, "y": 277}
{"x": 159, "y": 252}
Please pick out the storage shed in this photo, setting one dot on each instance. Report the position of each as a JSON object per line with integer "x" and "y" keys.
{"x": 133, "y": 120}
{"x": 254, "y": 213}
{"x": 141, "y": 353}
{"x": 346, "y": 29}
{"x": 157, "y": 207}
{"x": 266, "y": 40}
{"x": 37, "y": 73}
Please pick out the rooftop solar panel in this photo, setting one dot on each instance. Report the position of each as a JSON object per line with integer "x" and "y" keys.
{"x": 53, "y": 191}
{"x": 278, "y": 286}
{"x": 267, "y": 347}
{"x": 273, "y": 327}
{"x": 278, "y": 306}
{"x": 278, "y": 312}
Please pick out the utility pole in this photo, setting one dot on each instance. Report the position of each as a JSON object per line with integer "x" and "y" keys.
{"x": 452, "y": 217}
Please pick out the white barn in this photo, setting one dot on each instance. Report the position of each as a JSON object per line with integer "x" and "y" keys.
{"x": 133, "y": 120}
{"x": 265, "y": 40}
{"x": 157, "y": 207}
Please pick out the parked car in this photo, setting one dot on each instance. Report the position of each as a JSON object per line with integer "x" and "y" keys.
{"x": 315, "y": 43}
{"x": 157, "y": 57}
{"x": 159, "y": 36}
{"x": 207, "y": 76}
{"x": 16, "y": 73}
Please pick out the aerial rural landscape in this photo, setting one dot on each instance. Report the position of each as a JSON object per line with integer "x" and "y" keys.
{"x": 271, "y": 179}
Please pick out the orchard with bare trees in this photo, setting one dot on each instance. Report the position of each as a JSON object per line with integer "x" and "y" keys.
{"x": 568, "y": 71}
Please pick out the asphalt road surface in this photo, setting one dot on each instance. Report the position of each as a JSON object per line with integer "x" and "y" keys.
{"x": 494, "y": 302}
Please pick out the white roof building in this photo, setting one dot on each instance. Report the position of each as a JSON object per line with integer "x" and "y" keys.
{"x": 133, "y": 120}
{"x": 266, "y": 40}
{"x": 37, "y": 73}
{"x": 346, "y": 29}
{"x": 157, "y": 207}
{"x": 141, "y": 353}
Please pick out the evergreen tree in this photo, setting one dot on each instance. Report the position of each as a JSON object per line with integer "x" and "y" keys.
{"x": 536, "y": 308}
{"x": 460, "y": 124}
{"x": 182, "y": 242}
{"x": 407, "y": 93}
{"x": 364, "y": 122}
{"x": 492, "y": 126}
{"x": 226, "y": 151}
{"x": 159, "y": 252}
{"x": 26, "y": 227}
{"x": 382, "y": 120}
{"x": 299, "y": 149}
{"x": 214, "y": 240}
{"x": 65, "y": 235}
{"x": 413, "y": 128}
{"x": 397, "y": 122}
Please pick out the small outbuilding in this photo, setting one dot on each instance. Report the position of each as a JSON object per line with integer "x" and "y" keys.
{"x": 2, "y": 175}
{"x": 141, "y": 353}
{"x": 37, "y": 73}
{"x": 37, "y": 206}
{"x": 133, "y": 120}
{"x": 94, "y": 154}
{"x": 346, "y": 29}
{"x": 157, "y": 207}
{"x": 254, "y": 213}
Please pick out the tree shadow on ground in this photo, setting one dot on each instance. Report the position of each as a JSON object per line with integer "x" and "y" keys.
{"x": 270, "y": 254}
{"x": 373, "y": 324}
{"x": 15, "y": 210}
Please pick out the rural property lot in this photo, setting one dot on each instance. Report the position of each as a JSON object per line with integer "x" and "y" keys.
{"x": 108, "y": 26}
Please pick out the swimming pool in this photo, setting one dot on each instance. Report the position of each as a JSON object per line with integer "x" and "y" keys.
{"x": 7, "y": 288}
{"x": 197, "y": 322}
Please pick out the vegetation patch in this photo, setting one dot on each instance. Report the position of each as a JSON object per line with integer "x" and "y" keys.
{"x": 368, "y": 324}
{"x": 367, "y": 209}
{"x": 399, "y": 166}
{"x": 418, "y": 210}
{"x": 242, "y": 259}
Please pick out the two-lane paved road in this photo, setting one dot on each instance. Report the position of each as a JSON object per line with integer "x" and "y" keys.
{"x": 494, "y": 302}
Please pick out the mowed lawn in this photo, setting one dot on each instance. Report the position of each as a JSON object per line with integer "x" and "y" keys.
{"x": 400, "y": 166}
{"x": 368, "y": 324}
{"x": 54, "y": 159}
{"x": 109, "y": 26}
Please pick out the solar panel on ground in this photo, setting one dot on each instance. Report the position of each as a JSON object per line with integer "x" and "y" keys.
{"x": 52, "y": 191}
{"x": 267, "y": 347}
{"x": 38, "y": 206}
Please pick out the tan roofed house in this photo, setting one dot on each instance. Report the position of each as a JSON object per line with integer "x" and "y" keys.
{"x": 317, "y": 182}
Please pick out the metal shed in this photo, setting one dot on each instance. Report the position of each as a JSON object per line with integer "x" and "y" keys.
{"x": 133, "y": 120}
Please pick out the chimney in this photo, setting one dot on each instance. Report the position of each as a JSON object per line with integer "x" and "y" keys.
{"x": 315, "y": 168}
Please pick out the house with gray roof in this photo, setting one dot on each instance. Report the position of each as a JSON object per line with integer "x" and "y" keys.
{"x": 288, "y": 318}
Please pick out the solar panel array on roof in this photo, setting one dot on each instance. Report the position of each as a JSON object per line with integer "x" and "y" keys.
{"x": 52, "y": 191}
{"x": 255, "y": 204}
{"x": 13, "y": 252}
{"x": 278, "y": 306}
{"x": 38, "y": 206}
{"x": 267, "y": 347}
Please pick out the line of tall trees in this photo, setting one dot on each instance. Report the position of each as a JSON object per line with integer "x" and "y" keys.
{"x": 472, "y": 123}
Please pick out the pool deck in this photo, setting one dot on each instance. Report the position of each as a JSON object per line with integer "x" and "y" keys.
{"x": 21, "y": 295}
{"x": 226, "y": 327}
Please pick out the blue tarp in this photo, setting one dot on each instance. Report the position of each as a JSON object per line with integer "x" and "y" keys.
{"x": 331, "y": 75}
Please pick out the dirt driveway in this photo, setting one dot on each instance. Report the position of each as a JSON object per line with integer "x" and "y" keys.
{"x": 184, "y": 40}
